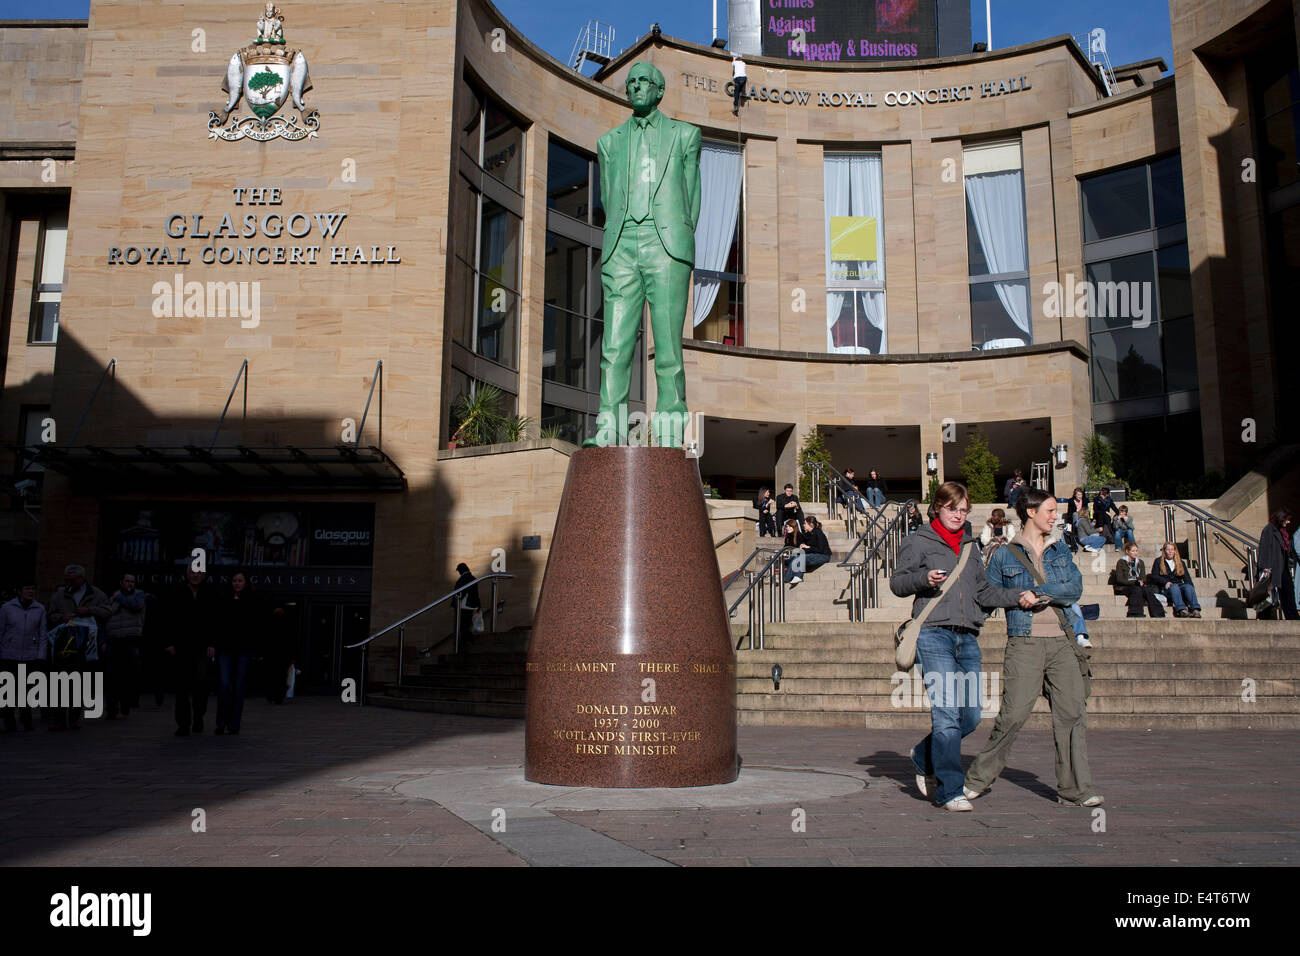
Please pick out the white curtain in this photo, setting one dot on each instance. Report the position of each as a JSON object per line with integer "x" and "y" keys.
{"x": 720, "y": 173}
{"x": 854, "y": 188}
{"x": 997, "y": 207}
{"x": 836, "y": 174}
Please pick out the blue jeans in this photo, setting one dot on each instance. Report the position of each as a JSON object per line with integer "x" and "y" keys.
{"x": 232, "y": 671}
{"x": 950, "y": 666}
{"x": 1183, "y": 596}
{"x": 1080, "y": 625}
{"x": 1122, "y": 538}
{"x": 876, "y": 496}
{"x": 1092, "y": 541}
{"x": 849, "y": 500}
{"x": 810, "y": 559}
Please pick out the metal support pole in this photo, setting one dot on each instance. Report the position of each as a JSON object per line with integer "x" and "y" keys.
{"x": 758, "y": 617}
{"x": 1202, "y": 548}
{"x": 1169, "y": 522}
{"x": 493, "y": 616}
{"x": 753, "y": 620}
{"x": 365, "y": 672}
{"x": 401, "y": 652}
{"x": 455, "y": 609}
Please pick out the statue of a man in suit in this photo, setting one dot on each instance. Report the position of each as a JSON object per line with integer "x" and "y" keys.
{"x": 650, "y": 188}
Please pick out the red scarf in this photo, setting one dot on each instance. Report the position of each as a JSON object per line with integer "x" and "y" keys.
{"x": 952, "y": 537}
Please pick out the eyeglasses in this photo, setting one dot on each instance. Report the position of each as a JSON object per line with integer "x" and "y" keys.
{"x": 957, "y": 511}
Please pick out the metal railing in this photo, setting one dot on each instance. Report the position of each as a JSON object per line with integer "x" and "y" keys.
{"x": 827, "y": 477}
{"x": 765, "y": 593}
{"x": 880, "y": 556}
{"x": 1227, "y": 535}
{"x": 400, "y": 627}
{"x": 730, "y": 537}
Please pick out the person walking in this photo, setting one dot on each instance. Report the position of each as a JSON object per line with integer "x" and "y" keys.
{"x": 22, "y": 641}
{"x": 947, "y": 648}
{"x": 82, "y": 607}
{"x": 1171, "y": 579}
{"x": 125, "y": 633}
{"x": 1277, "y": 556}
{"x": 192, "y": 615}
{"x": 1103, "y": 512}
{"x": 1041, "y": 656}
{"x": 468, "y": 601}
{"x": 241, "y": 634}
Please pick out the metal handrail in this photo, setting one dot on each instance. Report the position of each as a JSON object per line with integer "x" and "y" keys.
{"x": 874, "y": 520}
{"x": 401, "y": 628}
{"x": 734, "y": 534}
{"x": 731, "y": 578}
{"x": 864, "y": 588}
{"x": 242, "y": 373}
{"x": 1222, "y": 530}
{"x": 377, "y": 379}
{"x": 111, "y": 367}
{"x": 770, "y": 578}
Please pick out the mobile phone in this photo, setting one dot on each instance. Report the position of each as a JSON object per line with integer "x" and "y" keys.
{"x": 942, "y": 575}
{"x": 1043, "y": 601}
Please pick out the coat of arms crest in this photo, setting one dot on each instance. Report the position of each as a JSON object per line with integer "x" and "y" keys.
{"x": 266, "y": 74}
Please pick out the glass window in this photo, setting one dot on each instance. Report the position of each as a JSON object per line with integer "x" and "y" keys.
{"x": 573, "y": 425}
{"x": 1124, "y": 291}
{"x": 460, "y": 302}
{"x": 1179, "y": 338}
{"x": 503, "y": 146}
{"x": 48, "y": 294}
{"x": 855, "y": 253}
{"x": 498, "y": 317}
{"x": 997, "y": 246}
{"x": 719, "y": 247}
{"x": 470, "y": 120}
{"x": 992, "y": 305}
{"x": 1116, "y": 204}
{"x": 568, "y": 178}
{"x": 567, "y": 273}
{"x": 1126, "y": 364}
{"x": 1175, "y": 281}
{"x": 499, "y": 244}
{"x": 1279, "y": 108}
{"x": 1167, "y": 190}
{"x": 564, "y": 352}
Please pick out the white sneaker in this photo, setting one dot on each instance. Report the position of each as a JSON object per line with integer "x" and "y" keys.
{"x": 796, "y": 580}
{"x": 972, "y": 794}
{"x": 958, "y": 805}
{"x": 1090, "y": 549}
{"x": 924, "y": 784}
{"x": 1083, "y": 640}
{"x": 1095, "y": 800}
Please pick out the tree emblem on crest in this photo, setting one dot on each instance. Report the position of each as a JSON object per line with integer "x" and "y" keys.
{"x": 267, "y": 74}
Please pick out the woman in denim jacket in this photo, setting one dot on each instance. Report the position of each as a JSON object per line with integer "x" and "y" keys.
{"x": 1039, "y": 657}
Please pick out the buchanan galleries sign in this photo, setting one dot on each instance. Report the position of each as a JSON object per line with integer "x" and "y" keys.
{"x": 839, "y": 99}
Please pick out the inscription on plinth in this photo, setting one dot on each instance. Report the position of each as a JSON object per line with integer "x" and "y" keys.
{"x": 631, "y": 675}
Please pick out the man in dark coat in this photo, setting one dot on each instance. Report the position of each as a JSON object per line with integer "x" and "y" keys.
{"x": 1275, "y": 556}
{"x": 787, "y": 507}
{"x": 192, "y": 616}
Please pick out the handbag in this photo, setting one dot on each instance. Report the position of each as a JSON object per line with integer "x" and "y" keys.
{"x": 907, "y": 633}
{"x": 1085, "y": 668}
{"x": 1261, "y": 593}
{"x": 477, "y": 627}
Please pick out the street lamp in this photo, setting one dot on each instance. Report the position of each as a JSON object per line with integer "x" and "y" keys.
{"x": 1060, "y": 454}
{"x": 932, "y": 463}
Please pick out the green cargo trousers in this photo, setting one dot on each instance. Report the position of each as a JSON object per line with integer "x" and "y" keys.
{"x": 1033, "y": 665}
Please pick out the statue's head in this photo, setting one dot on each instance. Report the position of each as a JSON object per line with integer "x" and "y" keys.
{"x": 645, "y": 87}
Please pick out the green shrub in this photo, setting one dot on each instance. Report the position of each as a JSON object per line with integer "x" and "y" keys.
{"x": 1098, "y": 462}
{"x": 978, "y": 469}
{"x": 813, "y": 451}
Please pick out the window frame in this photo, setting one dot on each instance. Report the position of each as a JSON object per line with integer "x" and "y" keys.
{"x": 852, "y": 287}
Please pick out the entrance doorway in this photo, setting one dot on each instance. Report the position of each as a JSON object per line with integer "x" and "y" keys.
{"x": 324, "y": 658}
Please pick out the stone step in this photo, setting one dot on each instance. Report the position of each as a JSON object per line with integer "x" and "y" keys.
{"x": 920, "y": 721}
{"x": 509, "y": 677}
{"x": 459, "y": 692}
{"x": 883, "y": 703}
{"x": 1101, "y": 670}
{"x": 998, "y": 627}
{"x": 793, "y": 681}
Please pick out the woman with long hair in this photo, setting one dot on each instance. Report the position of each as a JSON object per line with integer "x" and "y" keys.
{"x": 1172, "y": 580}
{"x": 947, "y": 648}
{"x": 1277, "y": 555}
{"x": 998, "y": 527}
{"x": 1041, "y": 656}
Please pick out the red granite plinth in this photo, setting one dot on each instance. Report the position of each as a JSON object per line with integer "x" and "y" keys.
{"x": 631, "y": 669}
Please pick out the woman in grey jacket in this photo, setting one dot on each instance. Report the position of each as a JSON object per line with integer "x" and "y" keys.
{"x": 947, "y": 648}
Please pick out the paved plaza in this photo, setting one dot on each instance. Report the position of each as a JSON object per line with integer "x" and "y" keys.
{"x": 320, "y": 783}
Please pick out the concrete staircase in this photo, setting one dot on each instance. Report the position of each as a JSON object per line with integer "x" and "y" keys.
{"x": 1169, "y": 673}
{"x": 485, "y": 680}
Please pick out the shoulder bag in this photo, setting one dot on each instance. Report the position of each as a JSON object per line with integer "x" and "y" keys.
{"x": 907, "y": 633}
{"x": 1085, "y": 668}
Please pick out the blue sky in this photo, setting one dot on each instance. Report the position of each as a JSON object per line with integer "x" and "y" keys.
{"x": 1135, "y": 29}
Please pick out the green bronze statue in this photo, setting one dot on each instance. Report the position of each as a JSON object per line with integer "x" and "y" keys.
{"x": 650, "y": 188}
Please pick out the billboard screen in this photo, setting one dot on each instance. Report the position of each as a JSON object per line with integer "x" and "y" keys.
{"x": 850, "y": 31}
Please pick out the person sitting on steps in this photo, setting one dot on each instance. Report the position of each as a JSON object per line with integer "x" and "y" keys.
{"x": 1171, "y": 578}
{"x": 816, "y": 549}
{"x": 1129, "y": 579}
